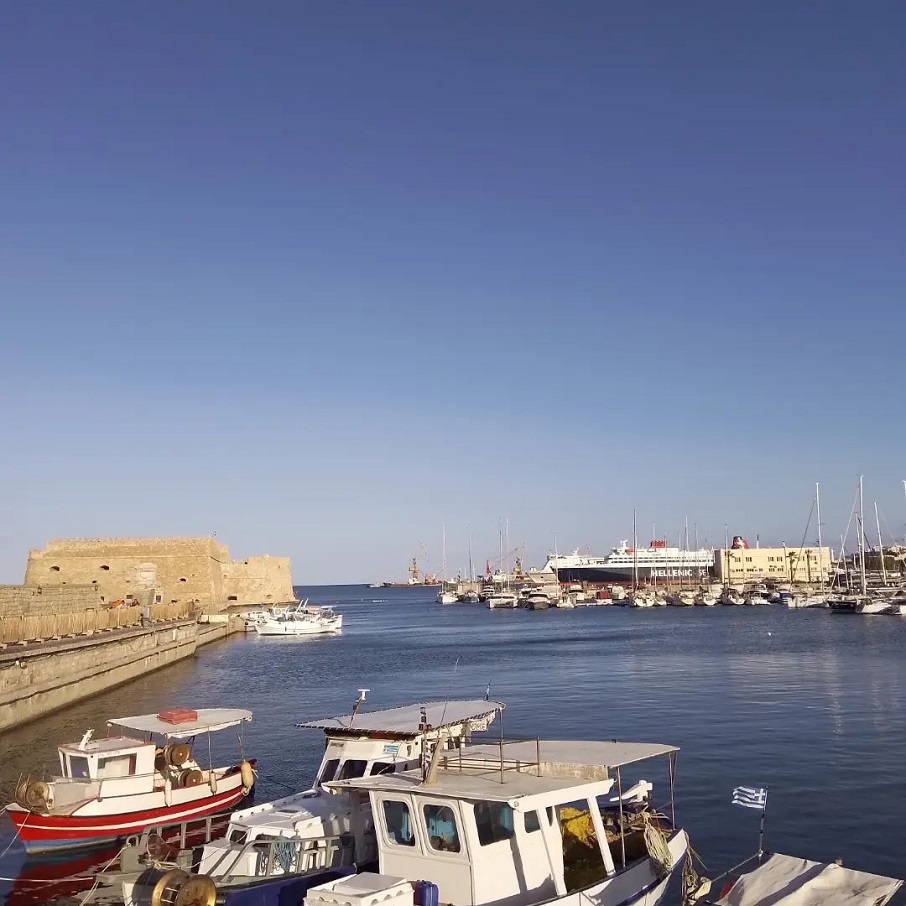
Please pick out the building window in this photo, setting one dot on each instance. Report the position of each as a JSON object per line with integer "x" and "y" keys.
{"x": 183, "y": 579}
{"x": 105, "y": 567}
{"x": 532, "y": 823}
{"x": 232, "y": 598}
{"x": 399, "y": 823}
{"x": 55, "y": 569}
{"x": 494, "y": 822}
{"x": 442, "y": 833}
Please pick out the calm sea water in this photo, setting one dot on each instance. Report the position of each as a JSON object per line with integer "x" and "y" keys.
{"x": 811, "y": 705}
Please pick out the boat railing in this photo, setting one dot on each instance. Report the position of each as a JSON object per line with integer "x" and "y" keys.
{"x": 282, "y": 856}
{"x": 499, "y": 764}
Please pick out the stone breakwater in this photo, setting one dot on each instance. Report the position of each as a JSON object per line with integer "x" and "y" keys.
{"x": 38, "y": 678}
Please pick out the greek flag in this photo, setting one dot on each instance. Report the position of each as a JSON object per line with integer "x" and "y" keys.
{"x": 751, "y": 797}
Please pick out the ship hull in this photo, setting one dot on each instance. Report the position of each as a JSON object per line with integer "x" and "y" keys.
{"x": 610, "y": 575}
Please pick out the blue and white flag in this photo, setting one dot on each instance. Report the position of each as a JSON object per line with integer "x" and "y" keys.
{"x": 751, "y": 797}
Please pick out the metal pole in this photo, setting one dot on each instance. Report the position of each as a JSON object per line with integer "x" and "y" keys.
{"x": 761, "y": 827}
{"x": 671, "y": 771}
{"x": 622, "y": 829}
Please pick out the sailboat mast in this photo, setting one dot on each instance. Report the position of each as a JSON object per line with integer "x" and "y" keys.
{"x": 443, "y": 560}
{"x": 820, "y": 551}
{"x": 880, "y": 545}
{"x": 635, "y": 555}
{"x": 862, "y": 578}
{"x": 471, "y": 568}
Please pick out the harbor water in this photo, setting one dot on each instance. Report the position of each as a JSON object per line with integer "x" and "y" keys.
{"x": 809, "y": 704}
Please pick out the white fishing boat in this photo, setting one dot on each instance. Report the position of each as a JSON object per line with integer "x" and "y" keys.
{"x": 447, "y": 596}
{"x": 302, "y": 620}
{"x": 498, "y": 823}
{"x": 110, "y": 788}
{"x": 309, "y": 831}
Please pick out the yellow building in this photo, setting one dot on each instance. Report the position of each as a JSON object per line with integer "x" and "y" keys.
{"x": 736, "y": 565}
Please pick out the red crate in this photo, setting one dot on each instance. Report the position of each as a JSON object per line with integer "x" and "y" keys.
{"x": 178, "y": 716}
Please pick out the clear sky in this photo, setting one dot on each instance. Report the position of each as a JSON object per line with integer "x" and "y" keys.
{"x": 320, "y": 277}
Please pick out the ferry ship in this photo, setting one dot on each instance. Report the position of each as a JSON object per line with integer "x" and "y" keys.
{"x": 657, "y": 562}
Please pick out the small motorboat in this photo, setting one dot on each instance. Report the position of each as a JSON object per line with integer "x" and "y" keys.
{"x": 302, "y": 620}
{"x": 788, "y": 879}
{"x": 110, "y": 788}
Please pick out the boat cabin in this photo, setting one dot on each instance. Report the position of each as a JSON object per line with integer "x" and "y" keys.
{"x": 365, "y": 744}
{"x": 125, "y": 765}
{"x": 522, "y": 823}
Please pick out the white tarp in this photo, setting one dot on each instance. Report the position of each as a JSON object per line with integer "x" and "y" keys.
{"x": 791, "y": 881}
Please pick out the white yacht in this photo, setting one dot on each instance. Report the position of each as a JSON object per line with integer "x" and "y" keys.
{"x": 310, "y": 830}
{"x": 503, "y": 599}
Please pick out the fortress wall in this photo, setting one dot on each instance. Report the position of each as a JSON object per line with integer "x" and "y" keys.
{"x": 177, "y": 570}
{"x": 164, "y": 570}
{"x": 258, "y": 580}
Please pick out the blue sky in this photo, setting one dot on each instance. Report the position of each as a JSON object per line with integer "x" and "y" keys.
{"x": 320, "y": 277}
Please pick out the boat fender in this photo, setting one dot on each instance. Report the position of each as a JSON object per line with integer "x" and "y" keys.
{"x": 191, "y": 777}
{"x": 178, "y": 754}
{"x": 247, "y": 773}
{"x": 38, "y": 795}
{"x": 212, "y": 781}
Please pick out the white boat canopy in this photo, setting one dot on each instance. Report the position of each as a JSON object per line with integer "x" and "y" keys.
{"x": 407, "y": 720}
{"x": 209, "y": 720}
{"x": 791, "y": 881}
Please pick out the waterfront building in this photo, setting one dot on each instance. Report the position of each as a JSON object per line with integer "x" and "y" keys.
{"x": 739, "y": 564}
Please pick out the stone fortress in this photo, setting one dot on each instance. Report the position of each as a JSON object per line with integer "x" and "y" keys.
{"x": 75, "y": 574}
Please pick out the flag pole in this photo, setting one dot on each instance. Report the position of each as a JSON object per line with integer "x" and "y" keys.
{"x": 761, "y": 827}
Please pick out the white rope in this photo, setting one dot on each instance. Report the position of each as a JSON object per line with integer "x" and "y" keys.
{"x": 656, "y": 844}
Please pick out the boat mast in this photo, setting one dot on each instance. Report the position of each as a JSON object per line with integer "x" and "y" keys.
{"x": 820, "y": 552}
{"x": 880, "y": 546}
{"x": 471, "y": 568}
{"x": 635, "y": 555}
{"x": 862, "y": 578}
{"x": 443, "y": 561}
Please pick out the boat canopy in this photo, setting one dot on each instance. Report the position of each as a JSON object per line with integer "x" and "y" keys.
{"x": 525, "y": 774}
{"x": 522, "y": 791}
{"x": 409, "y": 720}
{"x": 209, "y": 720}
{"x": 791, "y": 881}
{"x": 566, "y": 753}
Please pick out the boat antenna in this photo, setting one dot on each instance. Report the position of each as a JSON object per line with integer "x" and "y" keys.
{"x": 443, "y": 713}
{"x": 357, "y": 704}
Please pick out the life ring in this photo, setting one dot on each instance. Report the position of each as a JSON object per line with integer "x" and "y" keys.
{"x": 247, "y": 773}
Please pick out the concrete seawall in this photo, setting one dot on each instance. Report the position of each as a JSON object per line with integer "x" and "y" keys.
{"x": 38, "y": 679}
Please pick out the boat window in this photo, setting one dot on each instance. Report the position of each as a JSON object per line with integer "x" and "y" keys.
{"x": 78, "y": 766}
{"x": 494, "y": 821}
{"x": 399, "y": 822}
{"x": 352, "y": 768}
{"x": 382, "y": 767}
{"x": 442, "y": 833}
{"x": 531, "y": 822}
{"x": 116, "y": 766}
{"x": 329, "y": 771}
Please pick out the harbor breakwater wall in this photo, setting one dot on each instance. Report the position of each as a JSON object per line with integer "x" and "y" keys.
{"x": 36, "y": 680}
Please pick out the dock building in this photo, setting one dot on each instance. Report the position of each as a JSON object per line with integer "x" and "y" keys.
{"x": 736, "y": 565}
